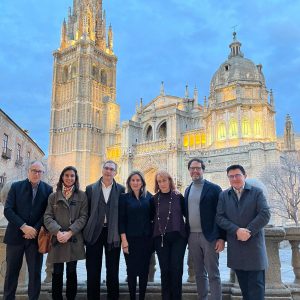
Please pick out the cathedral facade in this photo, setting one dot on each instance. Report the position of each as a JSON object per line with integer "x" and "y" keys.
{"x": 236, "y": 124}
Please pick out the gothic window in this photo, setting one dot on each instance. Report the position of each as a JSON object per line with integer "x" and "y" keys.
{"x": 149, "y": 133}
{"x": 103, "y": 77}
{"x": 257, "y": 127}
{"x": 162, "y": 131}
{"x": 95, "y": 73}
{"x": 221, "y": 131}
{"x": 73, "y": 70}
{"x": 233, "y": 132}
{"x": 65, "y": 75}
{"x": 245, "y": 127}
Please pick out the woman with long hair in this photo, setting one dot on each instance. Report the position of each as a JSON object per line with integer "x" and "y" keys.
{"x": 169, "y": 234}
{"x": 136, "y": 232}
{"x": 65, "y": 217}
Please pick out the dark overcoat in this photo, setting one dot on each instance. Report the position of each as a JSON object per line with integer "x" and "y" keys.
{"x": 62, "y": 214}
{"x": 251, "y": 212}
{"x": 20, "y": 209}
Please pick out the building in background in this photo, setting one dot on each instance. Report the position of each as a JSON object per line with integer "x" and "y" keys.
{"x": 17, "y": 150}
{"x": 235, "y": 123}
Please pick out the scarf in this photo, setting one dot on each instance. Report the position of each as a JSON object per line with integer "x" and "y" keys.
{"x": 67, "y": 191}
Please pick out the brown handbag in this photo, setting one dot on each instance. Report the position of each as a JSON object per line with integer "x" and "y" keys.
{"x": 44, "y": 240}
{"x": 45, "y": 237}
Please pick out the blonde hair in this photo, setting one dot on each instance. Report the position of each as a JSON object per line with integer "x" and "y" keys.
{"x": 165, "y": 174}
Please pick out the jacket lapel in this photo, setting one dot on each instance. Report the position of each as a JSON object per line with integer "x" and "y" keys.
{"x": 204, "y": 190}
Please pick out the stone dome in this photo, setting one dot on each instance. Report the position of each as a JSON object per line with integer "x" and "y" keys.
{"x": 237, "y": 69}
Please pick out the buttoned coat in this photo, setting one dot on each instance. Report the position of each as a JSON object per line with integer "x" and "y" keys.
{"x": 62, "y": 214}
{"x": 20, "y": 209}
{"x": 208, "y": 210}
{"x": 251, "y": 212}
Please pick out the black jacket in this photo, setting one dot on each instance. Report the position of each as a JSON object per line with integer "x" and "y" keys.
{"x": 19, "y": 209}
{"x": 208, "y": 210}
{"x": 135, "y": 215}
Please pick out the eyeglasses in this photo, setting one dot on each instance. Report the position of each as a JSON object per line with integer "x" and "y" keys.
{"x": 34, "y": 171}
{"x": 195, "y": 168}
{"x": 237, "y": 176}
{"x": 109, "y": 169}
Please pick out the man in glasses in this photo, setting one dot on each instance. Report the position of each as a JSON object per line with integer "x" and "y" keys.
{"x": 24, "y": 209}
{"x": 206, "y": 239}
{"x": 243, "y": 212}
{"x": 102, "y": 231}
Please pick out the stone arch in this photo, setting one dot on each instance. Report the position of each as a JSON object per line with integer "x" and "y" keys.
{"x": 233, "y": 129}
{"x": 65, "y": 74}
{"x": 162, "y": 130}
{"x": 221, "y": 131}
{"x": 103, "y": 77}
{"x": 257, "y": 127}
{"x": 73, "y": 70}
{"x": 95, "y": 72}
{"x": 150, "y": 179}
{"x": 149, "y": 133}
{"x": 245, "y": 127}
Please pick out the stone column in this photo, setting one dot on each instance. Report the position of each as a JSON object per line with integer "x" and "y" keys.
{"x": 191, "y": 271}
{"x": 293, "y": 236}
{"x": 274, "y": 286}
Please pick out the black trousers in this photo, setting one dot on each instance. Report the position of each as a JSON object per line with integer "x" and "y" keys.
{"x": 137, "y": 263}
{"x": 252, "y": 284}
{"x": 57, "y": 280}
{"x": 93, "y": 267}
{"x": 170, "y": 258}
{"x": 14, "y": 260}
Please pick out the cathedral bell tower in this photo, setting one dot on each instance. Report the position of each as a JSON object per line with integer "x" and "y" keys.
{"x": 85, "y": 117}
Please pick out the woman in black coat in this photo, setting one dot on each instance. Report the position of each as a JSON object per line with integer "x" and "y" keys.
{"x": 136, "y": 232}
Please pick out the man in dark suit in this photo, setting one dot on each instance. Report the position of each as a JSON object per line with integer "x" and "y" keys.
{"x": 243, "y": 212}
{"x": 102, "y": 231}
{"x": 24, "y": 209}
{"x": 206, "y": 239}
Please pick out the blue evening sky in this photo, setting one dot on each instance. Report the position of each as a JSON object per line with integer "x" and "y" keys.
{"x": 175, "y": 41}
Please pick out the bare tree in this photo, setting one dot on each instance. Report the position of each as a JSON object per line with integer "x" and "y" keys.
{"x": 283, "y": 182}
{"x": 51, "y": 176}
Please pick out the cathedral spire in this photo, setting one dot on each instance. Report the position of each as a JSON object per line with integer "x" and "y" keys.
{"x": 87, "y": 21}
{"x": 104, "y": 24}
{"x": 63, "y": 39}
{"x": 235, "y": 47}
{"x": 162, "y": 89}
{"x": 196, "y": 94}
{"x": 186, "y": 95}
{"x": 271, "y": 98}
{"x": 110, "y": 41}
{"x": 289, "y": 136}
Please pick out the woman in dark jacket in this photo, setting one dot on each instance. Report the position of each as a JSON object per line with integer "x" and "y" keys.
{"x": 65, "y": 217}
{"x": 170, "y": 237}
{"x": 136, "y": 233}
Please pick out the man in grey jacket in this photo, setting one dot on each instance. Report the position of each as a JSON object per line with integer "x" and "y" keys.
{"x": 102, "y": 232}
{"x": 243, "y": 212}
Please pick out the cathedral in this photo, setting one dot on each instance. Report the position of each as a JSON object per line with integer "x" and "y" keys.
{"x": 235, "y": 124}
